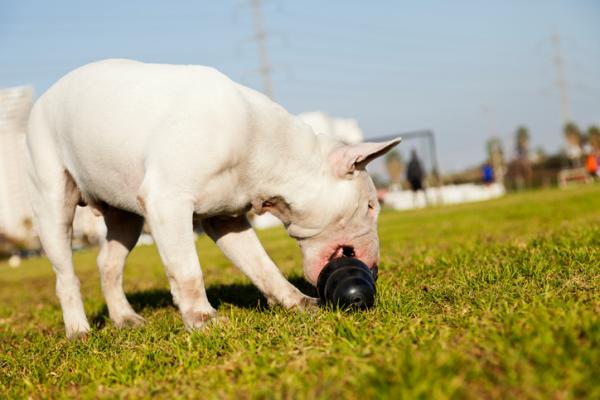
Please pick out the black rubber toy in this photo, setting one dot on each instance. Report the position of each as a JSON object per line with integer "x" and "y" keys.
{"x": 347, "y": 283}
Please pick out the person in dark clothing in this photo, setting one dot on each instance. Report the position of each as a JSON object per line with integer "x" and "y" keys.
{"x": 414, "y": 175}
{"x": 414, "y": 172}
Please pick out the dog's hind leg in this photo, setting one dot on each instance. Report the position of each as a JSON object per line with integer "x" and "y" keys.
{"x": 123, "y": 231}
{"x": 54, "y": 196}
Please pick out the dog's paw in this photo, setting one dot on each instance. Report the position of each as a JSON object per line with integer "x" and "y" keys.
{"x": 198, "y": 320}
{"x": 131, "y": 320}
{"x": 304, "y": 303}
{"x": 77, "y": 331}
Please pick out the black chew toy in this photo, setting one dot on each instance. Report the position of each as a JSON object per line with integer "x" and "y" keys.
{"x": 347, "y": 283}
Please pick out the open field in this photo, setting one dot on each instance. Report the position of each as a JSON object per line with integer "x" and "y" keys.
{"x": 492, "y": 300}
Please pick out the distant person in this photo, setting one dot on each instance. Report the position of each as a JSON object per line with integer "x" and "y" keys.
{"x": 487, "y": 173}
{"x": 414, "y": 175}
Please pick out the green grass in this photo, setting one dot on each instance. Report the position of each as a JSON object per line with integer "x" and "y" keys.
{"x": 491, "y": 300}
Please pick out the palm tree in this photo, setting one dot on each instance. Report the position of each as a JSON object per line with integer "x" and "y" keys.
{"x": 593, "y": 136}
{"x": 494, "y": 148}
{"x": 496, "y": 157}
{"x": 574, "y": 143}
{"x": 522, "y": 142}
{"x": 572, "y": 134}
{"x": 395, "y": 167}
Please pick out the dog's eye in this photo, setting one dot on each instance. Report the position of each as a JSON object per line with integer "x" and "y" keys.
{"x": 371, "y": 204}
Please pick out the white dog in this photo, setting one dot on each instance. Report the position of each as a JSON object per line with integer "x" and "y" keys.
{"x": 139, "y": 141}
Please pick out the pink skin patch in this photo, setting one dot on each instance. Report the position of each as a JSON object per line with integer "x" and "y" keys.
{"x": 366, "y": 252}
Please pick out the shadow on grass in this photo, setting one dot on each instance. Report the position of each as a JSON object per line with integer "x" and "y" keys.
{"x": 243, "y": 295}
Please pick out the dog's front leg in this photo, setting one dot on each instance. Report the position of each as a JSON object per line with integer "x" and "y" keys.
{"x": 238, "y": 241}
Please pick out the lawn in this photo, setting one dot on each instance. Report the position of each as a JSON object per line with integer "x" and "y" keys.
{"x": 499, "y": 299}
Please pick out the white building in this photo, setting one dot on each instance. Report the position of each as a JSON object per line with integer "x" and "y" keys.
{"x": 15, "y": 210}
{"x": 448, "y": 194}
{"x": 344, "y": 129}
{"x": 15, "y": 207}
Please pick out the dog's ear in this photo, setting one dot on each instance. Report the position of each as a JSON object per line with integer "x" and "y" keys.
{"x": 275, "y": 205}
{"x": 348, "y": 158}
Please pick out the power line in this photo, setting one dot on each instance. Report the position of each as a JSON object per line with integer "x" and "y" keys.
{"x": 565, "y": 109}
{"x": 260, "y": 36}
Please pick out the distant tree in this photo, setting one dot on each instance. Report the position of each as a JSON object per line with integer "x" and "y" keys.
{"x": 522, "y": 139}
{"x": 395, "y": 167}
{"x": 496, "y": 157}
{"x": 539, "y": 154}
{"x": 574, "y": 140}
{"x": 519, "y": 172}
{"x": 572, "y": 134}
{"x": 494, "y": 148}
{"x": 593, "y": 137}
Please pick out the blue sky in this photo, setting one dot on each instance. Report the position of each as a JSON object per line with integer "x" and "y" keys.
{"x": 394, "y": 66}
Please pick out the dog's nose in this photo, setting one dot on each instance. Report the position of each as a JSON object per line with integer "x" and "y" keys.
{"x": 375, "y": 272}
{"x": 348, "y": 251}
